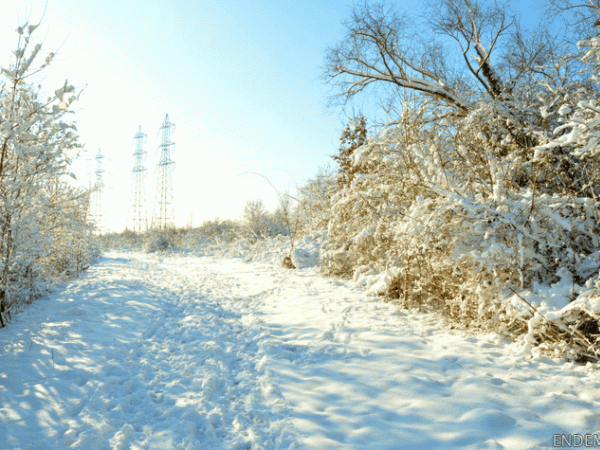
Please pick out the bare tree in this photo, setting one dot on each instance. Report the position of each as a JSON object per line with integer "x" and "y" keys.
{"x": 382, "y": 47}
{"x": 578, "y": 16}
{"x": 255, "y": 217}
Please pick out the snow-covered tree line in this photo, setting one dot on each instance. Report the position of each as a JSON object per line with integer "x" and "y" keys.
{"x": 255, "y": 223}
{"x": 479, "y": 198}
{"x": 44, "y": 236}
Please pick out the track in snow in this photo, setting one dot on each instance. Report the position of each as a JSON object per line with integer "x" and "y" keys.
{"x": 187, "y": 352}
{"x": 144, "y": 357}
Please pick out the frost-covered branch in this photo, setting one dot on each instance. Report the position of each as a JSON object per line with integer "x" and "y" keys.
{"x": 43, "y": 231}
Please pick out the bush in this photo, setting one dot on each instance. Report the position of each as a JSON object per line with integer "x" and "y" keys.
{"x": 432, "y": 223}
{"x": 44, "y": 237}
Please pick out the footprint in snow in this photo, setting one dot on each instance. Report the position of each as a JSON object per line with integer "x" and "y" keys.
{"x": 156, "y": 397}
{"x": 77, "y": 407}
{"x": 292, "y": 352}
{"x": 76, "y": 312}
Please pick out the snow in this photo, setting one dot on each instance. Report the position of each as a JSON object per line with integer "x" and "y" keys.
{"x": 302, "y": 258}
{"x": 192, "y": 351}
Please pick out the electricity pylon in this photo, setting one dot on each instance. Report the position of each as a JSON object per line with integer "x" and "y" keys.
{"x": 163, "y": 214}
{"x": 97, "y": 197}
{"x": 137, "y": 211}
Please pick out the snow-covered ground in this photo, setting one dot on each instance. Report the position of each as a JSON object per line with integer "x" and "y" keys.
{"x": 171, "y": 351}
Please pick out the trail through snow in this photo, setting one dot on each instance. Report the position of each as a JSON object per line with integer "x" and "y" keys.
{"x": 205, "y": 352}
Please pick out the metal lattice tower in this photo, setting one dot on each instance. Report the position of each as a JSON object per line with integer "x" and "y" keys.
{"x": 163, "y": 214}
{"x": 137, "y": 211}
{"x": 97, "y": 196}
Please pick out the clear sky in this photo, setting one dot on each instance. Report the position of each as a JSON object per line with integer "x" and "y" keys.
{"x": 241, "y": 79}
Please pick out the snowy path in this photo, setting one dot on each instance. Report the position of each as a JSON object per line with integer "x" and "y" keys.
{"x": 186, "y": 352}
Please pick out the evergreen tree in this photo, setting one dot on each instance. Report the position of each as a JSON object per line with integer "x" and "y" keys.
{"x": 354, "y": 136}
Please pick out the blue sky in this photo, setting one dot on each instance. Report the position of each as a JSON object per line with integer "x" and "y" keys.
{"x": 241, "y": 79}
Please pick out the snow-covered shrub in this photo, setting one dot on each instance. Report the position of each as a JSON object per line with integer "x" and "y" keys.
{"x": 433, "y": 217}
{"x": 159, "y": 244}
{"x": 43, "y": 233}
{"x": 221, "y": 230}
{"x": 572, "y": 150}
{"x": 212, "y": 233}
{"x": 126, "y": 239}
{"x": 487, "y": 184}
{"x": 576, "y": 323}
{"x": 391, "y": 172}
{"x": 260, "y": 223}
{"x": 313, "y": 208}
{"x": 256, "y": 218}
{"x": 72, "y": 246}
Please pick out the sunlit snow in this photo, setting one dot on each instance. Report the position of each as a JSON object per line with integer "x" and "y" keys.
{"x": 190, "y": 351}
